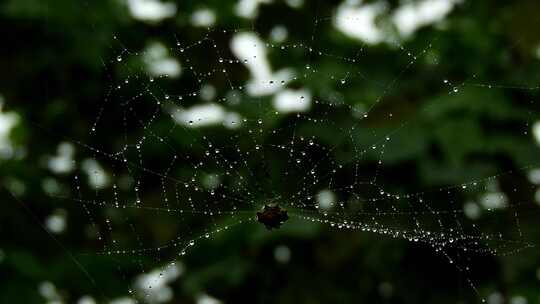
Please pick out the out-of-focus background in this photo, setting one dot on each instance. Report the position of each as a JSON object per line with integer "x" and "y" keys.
{"x": 454, "y": 84}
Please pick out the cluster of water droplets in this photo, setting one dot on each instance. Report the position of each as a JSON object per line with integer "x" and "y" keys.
{"x": 210, "y": 184}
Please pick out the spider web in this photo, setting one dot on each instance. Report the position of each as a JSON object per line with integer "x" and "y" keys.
{"x": 204, "y": 150}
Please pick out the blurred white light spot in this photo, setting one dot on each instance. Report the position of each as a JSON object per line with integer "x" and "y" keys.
{"x": 325, "y": 199}
{"x": 154, "y": 283}
{"x": 413, "y": 15}
{"x": 537, "y": 196}
{"x": 208, "y": 92}
{"x": 251, "y": 50}
{"x": 282, "y": 254}
{"x": 232, "y": 120}
{"x": 295, "y": 3}
{"x": 200, "y": 115}
{"x": 269, "y": 85}
{"x": 97, "y": 177}
{"x": 278, "y": 33}
{"x": 536, "y": 131}
{"x": 56, "y": 222}
{"x": 248, "y": 8}
{"x": 165, "y": 66}
{"x": 159, "y": 63}
{"x": 472, "y": 210}
{"x": 495, "y": 298}
{"x": 86, "y": 300}
{"x": 8, "y": 120}
{"x": 206, "y": 299}
{"x": 495, "y": 200}
{"x": 151, "y": 10}
{"x": 123, "y": 300}
{"x": 518, "y": 300}
{"x": 292, "y": 101}
{"x": 203, "y": 17}
{"x": 48, "y": 291}
{"x": 359, "y": 21}
{"x": 63, "y": 162}
{"x": 205, "y": 115}
{"x": 534, "y": 176}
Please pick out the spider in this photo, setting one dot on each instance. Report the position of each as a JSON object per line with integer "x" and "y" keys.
{"x": 272, "y": 216}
